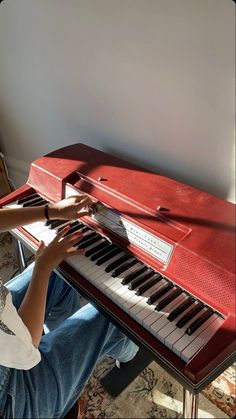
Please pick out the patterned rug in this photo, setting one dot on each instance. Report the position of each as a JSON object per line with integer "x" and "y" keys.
{"x": 154, "y": 393}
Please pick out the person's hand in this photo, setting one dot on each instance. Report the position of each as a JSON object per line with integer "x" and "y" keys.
{"x": 70, "y": 208}
{"x": 61, "y": 247}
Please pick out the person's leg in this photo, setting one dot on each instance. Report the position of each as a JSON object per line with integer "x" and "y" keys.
{"x": 62, "y": 300}
{"x": 69, "y": 356}
{"x": 19, "y": 284}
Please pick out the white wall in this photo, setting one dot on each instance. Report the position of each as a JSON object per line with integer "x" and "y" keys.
{"x": 149, "y": 80}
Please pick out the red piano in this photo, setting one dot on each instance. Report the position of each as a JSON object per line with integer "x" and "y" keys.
{"x": 159, "y": 258}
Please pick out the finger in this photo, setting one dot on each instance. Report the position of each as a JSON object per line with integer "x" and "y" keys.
{"x": 82, "y": 197}
{"x": 41, "y": 245}
{"x": 84, "y": 201}
{"x": 74, "y": 251}
{"x": 62, "y": 232}
{"x": 74, "y": 236}
{"x": 82, "y": 213}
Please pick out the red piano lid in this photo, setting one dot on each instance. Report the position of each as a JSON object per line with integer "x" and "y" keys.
{"x": 205, "y": 223}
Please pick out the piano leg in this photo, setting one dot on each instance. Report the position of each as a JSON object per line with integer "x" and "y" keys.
{"x": 20, "y": 254}
{"x": 190, "y": 404}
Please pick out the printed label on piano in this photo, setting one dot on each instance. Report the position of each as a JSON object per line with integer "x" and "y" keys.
{"x": 134, "y": 234}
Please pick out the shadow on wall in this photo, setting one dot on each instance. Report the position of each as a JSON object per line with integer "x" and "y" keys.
{"x": 215, "y": 178}
{"x": 221, "y": 186}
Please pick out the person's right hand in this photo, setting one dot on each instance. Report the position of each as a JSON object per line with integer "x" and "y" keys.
{"x": 61, "y": 247}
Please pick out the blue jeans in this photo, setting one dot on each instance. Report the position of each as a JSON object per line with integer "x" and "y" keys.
{"x": 78, "y": 339}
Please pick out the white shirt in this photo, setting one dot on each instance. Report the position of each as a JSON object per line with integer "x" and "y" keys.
{"x": 16, "y": 347}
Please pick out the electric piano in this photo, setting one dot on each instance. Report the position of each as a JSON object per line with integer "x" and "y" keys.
{"x": 158, "y": 257}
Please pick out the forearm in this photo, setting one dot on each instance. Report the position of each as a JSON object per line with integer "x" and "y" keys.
{"x": 32, "y": 309}
{"x": 15, "y": 217}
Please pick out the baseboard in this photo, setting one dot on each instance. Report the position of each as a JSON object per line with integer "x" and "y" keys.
{"x": 18, "y": 171}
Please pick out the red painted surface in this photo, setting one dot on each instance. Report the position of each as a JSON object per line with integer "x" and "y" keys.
{"x": 200, "y": 226}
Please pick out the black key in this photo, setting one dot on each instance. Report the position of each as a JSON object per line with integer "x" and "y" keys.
{"x": 118, "y": 271}
{"x": 88, "y": 236}
{"x": 199, "y": 321}
{"x": 103, "y": 252}
{"x": 56, "y": 223}
{"x": 84, "y": 229}
{"x": 189, "y": 315}
{"x": 166, "y": 300}
{"x": 65, "y": 224}
{"x": 77, "y": 224}
{"x": 29, "y": 199}
{"x": 128, "y": 278}
{"x": 89, "y": 242}
{"x": 34, "y": 202}
{"x": 21, "y": 201}
{"x": 182, "y": 307}
{"x": 39, "y": 203}
{"x": 95, "y": 249}
{"x": 148, "y": 284}
{"x": 158, "y": 294}
{"x": 53, "y": 223}
{"x": 82, "y": 240}
{"x": 117, "y": 262}
{"x": 108, "y": 256}
{"x": 137, "y": 281}
{"x": 74, "y": 227}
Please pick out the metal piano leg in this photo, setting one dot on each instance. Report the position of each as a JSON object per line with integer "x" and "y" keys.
{"x": 190, "y": 404}
{"x": 20, "y": 254}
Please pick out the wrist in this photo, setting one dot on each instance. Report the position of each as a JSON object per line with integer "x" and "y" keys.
{"x": 41, "y": 268}
{"x": 50, "y": 212}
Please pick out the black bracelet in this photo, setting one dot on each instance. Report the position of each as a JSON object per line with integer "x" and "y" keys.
{"x": 46, "y": 212}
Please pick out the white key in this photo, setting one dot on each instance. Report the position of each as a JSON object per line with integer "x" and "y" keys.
{"x": 12, "y": 205}
{"x": 81, "y": 263}
{"x": 47, "y": 236}
{"x": 153, "y": 317}
{"x": 179, "y": 332}
{"x": 100, "y": 268}
{"x": 161, "y": 316}
{"x": 149, "y": 310}
{"x": 185, "y": 340}
{"x": 163, "y": 327}
{"x": 130, "y": 302}
{"x": 201, "y": 340}
{"x": 123, "y": 298}
{"x": 142, "y": 302}
{"x": 144, "y": 313}
{"x": 36, "y": 229}
{"x": 112, "y": 284}
{"x": 117, "y": 289}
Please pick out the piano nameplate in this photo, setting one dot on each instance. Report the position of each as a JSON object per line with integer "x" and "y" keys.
{"x": 124, "y": 228}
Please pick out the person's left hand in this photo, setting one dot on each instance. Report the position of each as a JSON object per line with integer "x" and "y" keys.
{"x": 61, "y": 247}
{"x": 70, "y": 208}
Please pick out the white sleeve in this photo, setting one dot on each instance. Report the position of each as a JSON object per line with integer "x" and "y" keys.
{"x": 17, "y": 349}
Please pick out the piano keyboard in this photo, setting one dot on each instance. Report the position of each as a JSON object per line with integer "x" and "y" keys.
{"x": 181, "y": 322}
